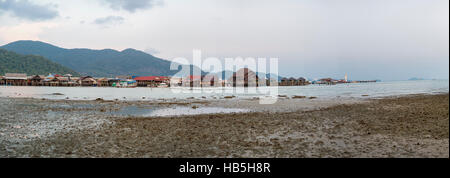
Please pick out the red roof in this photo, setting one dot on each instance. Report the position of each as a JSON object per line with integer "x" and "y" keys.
{"x": 194, "y": 77}
{"x": 152, "y": 78}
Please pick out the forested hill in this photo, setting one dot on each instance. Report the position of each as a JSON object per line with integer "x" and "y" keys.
{"x": 98, "y": 63}
{"x": 11, "y": 62}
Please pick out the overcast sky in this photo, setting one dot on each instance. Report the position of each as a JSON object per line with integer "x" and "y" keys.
{"x": 368, "y": 39}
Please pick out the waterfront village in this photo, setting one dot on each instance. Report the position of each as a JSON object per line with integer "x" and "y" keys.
{"x": 243, "y": 77}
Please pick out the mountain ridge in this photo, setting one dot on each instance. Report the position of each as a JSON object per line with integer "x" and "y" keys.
{"x": 12, "y": 62}
{"x": 99, "y": 63}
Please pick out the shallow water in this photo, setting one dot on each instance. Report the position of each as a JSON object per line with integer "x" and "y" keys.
{"x": 158, "y": 111}
{"x": 379, "y": 89}
{"x": 179, "y": 111}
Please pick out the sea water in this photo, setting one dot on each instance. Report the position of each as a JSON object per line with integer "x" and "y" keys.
{"x": 354, "y": 90}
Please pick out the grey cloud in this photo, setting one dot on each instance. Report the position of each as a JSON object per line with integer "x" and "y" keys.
{"x": 134, "y": 5}
{"x": 110, "y": 20}
{"x": 27, "y": 10}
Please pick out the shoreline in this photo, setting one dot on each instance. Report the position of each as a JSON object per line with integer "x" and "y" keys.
{"x": 292, "y": 128}
{"x": 154, "y": 94}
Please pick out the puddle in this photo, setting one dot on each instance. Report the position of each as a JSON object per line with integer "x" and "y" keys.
{"x": 136, "y": 111}
{"x": 175, "y": 111}
{"x": 73, "y": 106}
{"x": 183, "y": 111}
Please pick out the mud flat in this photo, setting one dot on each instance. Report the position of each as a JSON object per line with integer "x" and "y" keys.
{"x": 406, "y": 126}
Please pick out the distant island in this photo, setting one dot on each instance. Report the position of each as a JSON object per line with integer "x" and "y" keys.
{"x": 416, "y": 78}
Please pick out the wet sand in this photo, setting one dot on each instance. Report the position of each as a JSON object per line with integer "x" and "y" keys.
{"x": 407, "y": 126}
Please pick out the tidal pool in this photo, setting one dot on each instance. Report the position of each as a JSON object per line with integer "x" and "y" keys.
{"x": 158, "y": 111}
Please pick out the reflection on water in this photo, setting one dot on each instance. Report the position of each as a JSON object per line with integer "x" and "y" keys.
{"x": 136, "y": 111}
{"x": 343, "y": 90}
{"x": 191, "y": 111}
{"x": 158, "y": 111}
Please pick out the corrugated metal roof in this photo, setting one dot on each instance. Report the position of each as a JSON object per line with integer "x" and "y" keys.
{"x": 151, "y": 78}
{"x": 194, "y": 77}
{"x": 15, "y": 76}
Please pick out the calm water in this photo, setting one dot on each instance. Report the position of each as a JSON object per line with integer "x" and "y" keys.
{"x": 323, "y": 91}
{"x": 157, "y": 111}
